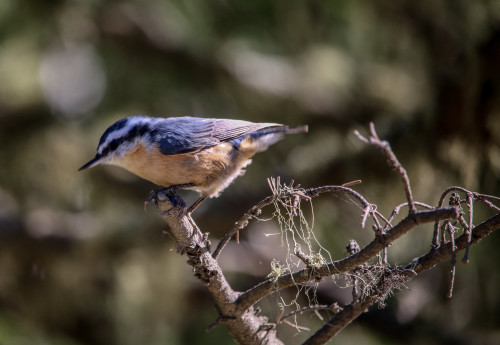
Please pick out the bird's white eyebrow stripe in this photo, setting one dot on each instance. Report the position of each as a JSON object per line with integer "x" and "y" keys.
{"x": 123, "y": 133}
{"x": 124, "y": 130}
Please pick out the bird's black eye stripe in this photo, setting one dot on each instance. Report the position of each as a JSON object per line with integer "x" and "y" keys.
{"x": 111, "y": 147}
{"x": 135, "y": 132}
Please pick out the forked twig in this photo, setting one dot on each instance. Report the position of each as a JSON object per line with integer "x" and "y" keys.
{"x": 435, "y": 237}
{"x": 396, "y": 210}
{"x": 393, "y": 161}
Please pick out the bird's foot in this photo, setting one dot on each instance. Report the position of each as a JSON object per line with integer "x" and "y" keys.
{"x": 168, "y": 192}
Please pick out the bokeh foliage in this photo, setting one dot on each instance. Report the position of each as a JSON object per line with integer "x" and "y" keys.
{"x": 80, "y": 261}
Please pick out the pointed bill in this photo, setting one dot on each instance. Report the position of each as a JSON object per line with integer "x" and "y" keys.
{"x": 92, "y": 163}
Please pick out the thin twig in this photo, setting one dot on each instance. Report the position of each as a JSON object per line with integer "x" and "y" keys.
{"x": 220, "y": 319}
{"x": 433, "y": 257}
{"x": 487, "y": 203}
{"x": 312, "y": 192}
{"x": 239, "y": 225}
{"x": 352, "y": 183}
{"x": 471, "y": 197}
{"x": 451, "y": 281}
{"x": 435, "y": 236}
{"x": 333, "y": 307}
{"x": 468, "y": 229}
{"x": 302, "y": 257}
{"x": 394, "y": 162}
{"x": 486, "y": 196}
{"x": 301, "y": 328}
{"x": 353, "y": 248}
{"x": 364, "y": 216}
{"x": 373, "y": 213}
{"x": 444, "y": 227}
{"x": 396, "y": 210}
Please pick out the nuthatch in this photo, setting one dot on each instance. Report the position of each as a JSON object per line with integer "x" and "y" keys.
{"x": 200, "y": 154}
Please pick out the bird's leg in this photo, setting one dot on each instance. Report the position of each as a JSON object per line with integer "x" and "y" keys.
{"x": 196, "y": 204}
{"x": 168, "y": 190}
{"x": 174, "y": 188}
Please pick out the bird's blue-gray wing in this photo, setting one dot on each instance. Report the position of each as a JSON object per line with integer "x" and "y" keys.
{"x": 178, "y": 135}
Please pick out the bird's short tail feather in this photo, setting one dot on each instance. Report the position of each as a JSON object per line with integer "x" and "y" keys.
{"x": 279, "y": 130}
{"x": 296, "y": 129}
{"x": 263, "y": 138}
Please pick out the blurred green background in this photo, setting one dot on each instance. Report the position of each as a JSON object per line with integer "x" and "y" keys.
{"x": 80, "y": 260}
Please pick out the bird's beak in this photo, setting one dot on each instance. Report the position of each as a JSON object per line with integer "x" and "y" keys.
{"x": 95, "y": 161}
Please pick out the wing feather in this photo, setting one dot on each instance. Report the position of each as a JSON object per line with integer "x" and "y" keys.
{"x": 182, "y": 135}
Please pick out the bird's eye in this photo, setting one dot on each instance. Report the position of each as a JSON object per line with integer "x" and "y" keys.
{"x": 112, "y": 146}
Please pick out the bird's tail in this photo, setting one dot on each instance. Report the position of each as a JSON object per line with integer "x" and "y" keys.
{"x": 279, "y": 130}
{"x": 296, "y": 129}
{"x": 261, "y": 139}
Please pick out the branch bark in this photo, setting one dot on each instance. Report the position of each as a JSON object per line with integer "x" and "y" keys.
{"x": 245, "y": 325}
{"x": 237, "y": 309}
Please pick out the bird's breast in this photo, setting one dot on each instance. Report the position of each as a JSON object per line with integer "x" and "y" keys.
{"x": 210, "y": 169}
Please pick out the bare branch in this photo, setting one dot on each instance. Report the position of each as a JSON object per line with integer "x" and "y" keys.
{"x": 468, "y": 229}
{"x": 244, "y": 325}
{"x": 361, "y": 137}
{"x": 237, "y": 310}
{"x": 352, "y": 248}
{"x": 445, "y": 251}
{"x": 451, "y": 231}
{"x": 471, "y": 197}
{"x": 339, "y": 321}
{"x": 396, "y": 210}
{"x": 352, "y": 311}
{"x": 333, "y": 307}
{"x": 393, "y": 161}
{"x": 312, "y": 192}
{"x": 307, "y": 193}
{"x": 268, "y": 286}
{"x": 485, "y": 196}
{"x": 302, "y": 257}
{"x": 242, "y": 223}
{"x": 482, "y": 199}
{"x": 217, "y": 322}
{"x": 352, "y": 183}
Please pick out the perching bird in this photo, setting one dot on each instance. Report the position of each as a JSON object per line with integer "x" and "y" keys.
{"x": 200, "y": 154}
